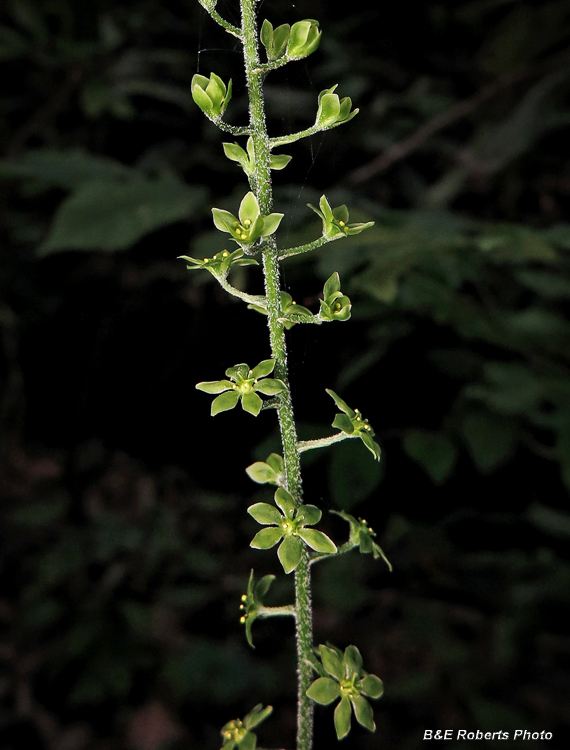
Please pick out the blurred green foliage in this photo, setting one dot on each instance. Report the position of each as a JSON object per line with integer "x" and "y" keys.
{"x": 122, "y": 563}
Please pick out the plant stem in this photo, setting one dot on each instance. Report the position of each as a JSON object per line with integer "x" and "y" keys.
{"x": 262, "y": 186}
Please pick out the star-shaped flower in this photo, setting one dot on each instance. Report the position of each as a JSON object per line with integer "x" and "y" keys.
{"x": 342, "y": 677}
{"x": 289, "y": 525}
{"x": 243, "y": 384}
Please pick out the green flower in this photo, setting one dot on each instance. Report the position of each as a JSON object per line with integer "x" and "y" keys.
{"x": 274, "y": 40}
{"x": 270, "y": 471}
{"x": 211, "y": 95}
{"x": 246, "y": 159}
{"x": 250, "y": 226}
{"x": 352, "y": 423}
{"x": 335, "y": 220}
{"x": 335, "y": 305}
{"x": 362, "y": 536}
{"x": 304, "y": 39}
{"x": 289, "y": 525}
{"x": 251, "y": 605}
{"x": 291, "y": 312}
{"x": 243, "y": 384}
{"x": 238, "y": 734}
{"x": 221, "y": 263}
{"x": 333, "y": 111}
{"x": 342, "y": 677}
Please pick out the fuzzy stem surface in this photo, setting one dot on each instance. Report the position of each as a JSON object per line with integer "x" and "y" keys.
{"x": 262, "y": 186}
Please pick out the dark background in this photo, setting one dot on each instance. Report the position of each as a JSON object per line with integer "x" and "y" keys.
{"x": 124, "y": 532}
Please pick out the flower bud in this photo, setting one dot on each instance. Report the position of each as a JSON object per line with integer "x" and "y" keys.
{"x": 303, "y": 39}
{"x": 211, "y": 95}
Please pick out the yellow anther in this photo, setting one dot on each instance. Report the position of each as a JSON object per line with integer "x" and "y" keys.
{"x": 341, "y": 223}
{"x": 242, "y": 606}
{"x": 244, "y": 597}
{"x": 247, "y": 223}
{"x": 242, "y": 619}
{"x": 225, "y": 254}
{"x": 236, "y": 224}
{"x": 215, "y": 257}
{"x": 363, "y": 520}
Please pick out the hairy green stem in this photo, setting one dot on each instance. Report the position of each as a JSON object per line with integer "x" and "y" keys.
{"x": 308, "y": 445}
{"x": 262, "y": 186}
{"x": 308, "y": 247}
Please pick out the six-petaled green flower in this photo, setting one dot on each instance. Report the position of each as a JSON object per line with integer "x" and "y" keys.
{"x": 342, "y": 676}
{"x": 237, "y": 733}
{"x": 353, "y": 423}
{"x": 362, "y": 536}
{"x": 335, "y": 220}
{"x": 289, "y": 525}
{"x": 244, "y": 384}
{"x": 249, "y": 225}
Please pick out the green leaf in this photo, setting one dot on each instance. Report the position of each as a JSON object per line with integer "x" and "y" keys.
{"x": 214, "y": 386}
{"x": 270, "y": 387}
{"x": 342, "y": 405}
{"x": 342, "y": 718}
{"x": 332, "y": 662}
{"x": 280, "y": 40}
{"x": 433, "y": 450}
{"x": 324, "y": 691}
{"x": 270, "y": 224}
{"x": 290, "y": 552}
{"x": 276, "y": 462}
{"x": 309, "y": 514}
{"x": 491, "y": 439}
{"x": 332, "y": 285}
{"x": 223, "y": 220}
{"x": 261, "y": 473}
{"x": 363, "y": 712}
{"x": 371, "y": 686}
{"x": 103, "y": 215}
{"x": 371, "y": 444}
{"x": 224, "y": 402}
{"x": 342, "y": 422}
{"x": 329, "y": 109}
{"x": 262, "y": 587}
{"x": 284, "y": 500}
{"x": 266, "y": 538}
{"x": 279, "y": 161}
{"x": 265, "y": 513}
{"x": 353, "y": 660}
{"x": 318, "y": 541}
{"x": 66, "y": 168}
{"x": 266, "y": 34}
{"x": 249, "y": 208}
{"x": 251, "y": 403}
{"x": 263, "y": 368}
{"x": 257, "y": 714}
